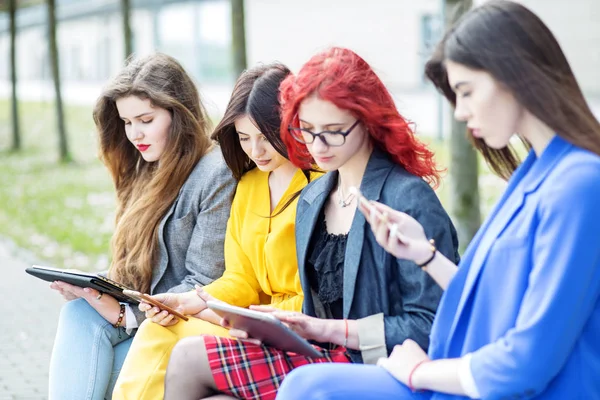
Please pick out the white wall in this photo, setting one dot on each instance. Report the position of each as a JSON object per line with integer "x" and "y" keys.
{"x": 576, "y": 25}
{"x": 387, "y": 33}
{"x": 384, "y": 32}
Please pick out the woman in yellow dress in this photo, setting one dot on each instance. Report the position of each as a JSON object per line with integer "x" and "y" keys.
{"x": 260, "y": 249}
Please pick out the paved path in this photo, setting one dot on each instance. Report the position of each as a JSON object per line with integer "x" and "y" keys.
{"x": 29, "y": 312}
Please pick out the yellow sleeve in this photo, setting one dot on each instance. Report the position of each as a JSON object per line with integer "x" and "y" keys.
{"x": 238, "y": 285}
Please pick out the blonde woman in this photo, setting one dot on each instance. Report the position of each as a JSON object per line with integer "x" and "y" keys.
{"x": 174, "y": 194}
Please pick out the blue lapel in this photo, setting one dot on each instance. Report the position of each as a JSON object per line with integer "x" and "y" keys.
{"x": 525, "y": 179}
{"x": 376, "y": 172}
{"x": 316, "y": 196}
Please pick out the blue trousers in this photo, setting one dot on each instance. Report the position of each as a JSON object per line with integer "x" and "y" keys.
{"x": 344, "y": 382}
{"x": 87, "y": 355}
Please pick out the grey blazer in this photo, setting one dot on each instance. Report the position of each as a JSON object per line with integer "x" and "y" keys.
{"x": 192, "y": 234}
{"x": 392, "y": 299}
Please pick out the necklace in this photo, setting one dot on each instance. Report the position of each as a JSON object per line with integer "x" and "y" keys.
{"x": 343, "y": 201}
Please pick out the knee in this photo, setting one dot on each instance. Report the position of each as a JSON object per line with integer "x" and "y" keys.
{"x": 79, "y": 312}
{"x": 305, "y": 382}
{"x": 187, "y": 356}
{"x": 154, "y": 334}
{"x": 75, "y": 307}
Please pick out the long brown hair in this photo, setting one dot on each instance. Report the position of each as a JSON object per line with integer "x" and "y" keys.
{"x": 146, "y": 191}
{"x": 513, "y": 45}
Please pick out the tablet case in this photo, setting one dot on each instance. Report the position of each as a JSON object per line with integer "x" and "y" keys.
{"x": 264, "y": 327}
{"x": 82, "y": 279}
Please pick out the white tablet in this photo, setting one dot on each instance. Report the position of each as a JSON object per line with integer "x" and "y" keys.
{"x": 264, "y": 327}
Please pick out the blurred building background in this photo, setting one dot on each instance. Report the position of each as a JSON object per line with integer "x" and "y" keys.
{"x": 394, "y": 36}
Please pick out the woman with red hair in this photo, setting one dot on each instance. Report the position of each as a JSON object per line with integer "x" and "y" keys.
{"x": 360, "y": 301}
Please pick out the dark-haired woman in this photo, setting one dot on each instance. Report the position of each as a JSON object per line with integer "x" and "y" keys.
{"x": 260, "y": 248}
{"x": 520, "y": 317}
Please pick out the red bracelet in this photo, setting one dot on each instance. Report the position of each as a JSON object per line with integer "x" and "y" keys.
{"x": 346, "y": 336}
{"x": 410, "y": 385}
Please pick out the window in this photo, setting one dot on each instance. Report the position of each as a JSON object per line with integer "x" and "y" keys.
{"x": 431, "y": 32}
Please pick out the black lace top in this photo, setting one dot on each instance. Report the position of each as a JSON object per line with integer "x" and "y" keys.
{"x": 326, "y": 268}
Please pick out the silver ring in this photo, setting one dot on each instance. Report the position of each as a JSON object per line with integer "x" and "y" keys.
{"x": 99, "y": 296}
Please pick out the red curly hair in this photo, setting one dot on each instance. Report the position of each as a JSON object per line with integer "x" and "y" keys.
{"x": 342, "y": 77}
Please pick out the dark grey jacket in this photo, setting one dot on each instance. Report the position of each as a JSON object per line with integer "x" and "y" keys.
{"x": 192, "y": 234}
{"x": 392, "y": 299}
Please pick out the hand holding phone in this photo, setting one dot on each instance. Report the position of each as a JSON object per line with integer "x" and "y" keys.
{"x": 143, "y": 297}
{"x": 364, "y": 202}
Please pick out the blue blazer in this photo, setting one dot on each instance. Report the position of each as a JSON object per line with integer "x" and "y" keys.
{"x": 375, "y": 282}
{"x": 526, "y": 298}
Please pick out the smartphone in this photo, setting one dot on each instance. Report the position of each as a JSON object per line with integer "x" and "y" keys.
{"x": 150, "y": 300}
{"x": 365, "y": 203}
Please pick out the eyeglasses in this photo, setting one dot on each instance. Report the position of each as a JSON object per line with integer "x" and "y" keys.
{"x": 329, "y": 138}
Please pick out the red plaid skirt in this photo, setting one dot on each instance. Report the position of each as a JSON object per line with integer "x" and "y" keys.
{"x": 248, "y": 371}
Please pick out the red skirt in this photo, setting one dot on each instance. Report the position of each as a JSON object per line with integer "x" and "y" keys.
{"x": 248, "y": 371}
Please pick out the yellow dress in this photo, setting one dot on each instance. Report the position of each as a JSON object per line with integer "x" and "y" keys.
{"x": 260, "y": 268}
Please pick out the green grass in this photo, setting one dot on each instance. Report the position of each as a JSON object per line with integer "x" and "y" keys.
{"x": 62, "y": 212}
{"x": 65, "y": 213}
{"x": 490, "y": 186}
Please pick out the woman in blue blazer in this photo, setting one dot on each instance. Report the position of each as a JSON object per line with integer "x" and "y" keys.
{"x": 520, "y": 316}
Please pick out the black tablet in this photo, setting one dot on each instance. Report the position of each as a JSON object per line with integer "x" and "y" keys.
{"x": 82, "y": 279}
{"x": 264, "y": 327}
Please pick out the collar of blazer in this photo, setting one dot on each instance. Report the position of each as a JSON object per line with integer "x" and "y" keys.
{"x": 378, "y": 167}
{"x": 526, "y": 179}
{"x": 376, "y": 172}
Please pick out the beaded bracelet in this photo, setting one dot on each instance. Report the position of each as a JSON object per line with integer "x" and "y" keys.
{"x": 121, "y": 315}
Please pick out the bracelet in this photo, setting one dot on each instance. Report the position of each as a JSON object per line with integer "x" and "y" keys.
{"x": 346, "y": 335}
{"x": 433, "y": 253}
{"x": 410, "y": 385}
{"x": 121, "y": 315}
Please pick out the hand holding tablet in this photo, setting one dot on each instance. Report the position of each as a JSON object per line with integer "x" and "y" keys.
{"x": 82, "y": 279}
{"x": 264, "y": 327}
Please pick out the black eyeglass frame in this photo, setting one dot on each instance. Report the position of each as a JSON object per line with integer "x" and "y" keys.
{"x": 318, "y": 134}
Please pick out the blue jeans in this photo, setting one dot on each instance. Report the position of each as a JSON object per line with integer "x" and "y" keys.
{"x": 344, "y": 382}
{"x": 87, "y": 356}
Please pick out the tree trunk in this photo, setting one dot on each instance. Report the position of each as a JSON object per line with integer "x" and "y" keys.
{"x": 238, "y": 36}
{"x": 463, "y": 168}
{"x": 53, "y": 51}
{"x": 16, "y": 144}
{"x": 127, "y": 35}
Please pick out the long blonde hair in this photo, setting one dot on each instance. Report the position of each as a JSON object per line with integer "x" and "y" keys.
{"x": 146, "y": 191}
